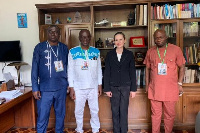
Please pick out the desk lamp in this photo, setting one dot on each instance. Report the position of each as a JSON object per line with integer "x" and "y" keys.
{"x": 17, "y": 66}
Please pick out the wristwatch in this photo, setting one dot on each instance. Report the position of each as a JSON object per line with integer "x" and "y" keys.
{"x": 179, "y": 83}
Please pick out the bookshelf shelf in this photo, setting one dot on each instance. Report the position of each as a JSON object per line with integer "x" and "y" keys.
{"x": 137, "y": 47}
{"x": 126, "y": 47}
{"x": 191, "y": 84}
{"x": 191, "y": 65}
{"x": 189, "y": 19}
{"x": 171, "y": 37}
{"x": 191, "y": 37}
{"x": 69, "y": 24}
{"x": 121, "y": 27}
{"x": 135, "y": 66}
{"x": 105, "y": 48}
{"x": 141, "y": 88}
{"x": 139, "y": 65}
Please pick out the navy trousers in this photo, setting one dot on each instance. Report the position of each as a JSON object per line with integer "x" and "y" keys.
{"x": 58, "y": 100}
{"x": 119, "y": 107}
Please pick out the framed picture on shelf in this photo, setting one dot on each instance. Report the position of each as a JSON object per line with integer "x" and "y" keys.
{"x": 48, "y": 19}
{"x": 137, "y": 41}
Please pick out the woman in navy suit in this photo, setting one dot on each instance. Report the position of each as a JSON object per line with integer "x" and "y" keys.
{"x": 120, "y": 82}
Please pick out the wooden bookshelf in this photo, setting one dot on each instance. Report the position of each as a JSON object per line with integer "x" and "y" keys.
{"x": 119, "y": 27}
{"x": 118, "y": 11}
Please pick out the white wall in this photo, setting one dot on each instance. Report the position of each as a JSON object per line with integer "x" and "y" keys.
{"x": 28, "y": 37}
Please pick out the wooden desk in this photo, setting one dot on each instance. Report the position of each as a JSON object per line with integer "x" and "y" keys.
{"x": 18, "y": 112}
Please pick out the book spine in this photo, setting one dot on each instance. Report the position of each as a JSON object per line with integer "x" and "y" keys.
{"x": 145, "y": 14}
{"x": 141, "y": 18}
{"x": 137, "y": 14}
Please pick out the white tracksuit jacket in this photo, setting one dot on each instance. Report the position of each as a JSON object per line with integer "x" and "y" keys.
{"x": 84, "y": 79}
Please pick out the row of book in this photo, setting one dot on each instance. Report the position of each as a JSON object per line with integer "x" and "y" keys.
{"x": 170, "y": 29}
{"x": 141, "y": 15}
{"x": 191, "y": 76}
{"x": 192, "y": 54}
{"x": 184, "y": 10}
{"x": 140, "y": 77}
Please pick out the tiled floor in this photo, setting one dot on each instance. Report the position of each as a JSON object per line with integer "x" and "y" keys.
{"x": 51, "y": 130}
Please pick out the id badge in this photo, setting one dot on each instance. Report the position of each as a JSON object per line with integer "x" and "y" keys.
{"x": 58, "y": 66}
{"x": 85, "y": 65}
{"x": 162, "y": 69}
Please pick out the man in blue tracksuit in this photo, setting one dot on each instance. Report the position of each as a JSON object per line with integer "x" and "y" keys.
{"x": 49, "y": 79}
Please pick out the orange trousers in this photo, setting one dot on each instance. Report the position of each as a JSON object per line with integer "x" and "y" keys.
{"x": 168, "y": 108}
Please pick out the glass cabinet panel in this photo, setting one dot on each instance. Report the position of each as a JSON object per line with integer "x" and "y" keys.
{"x": 191, "y": 29}
{"x": 171, "y": 29}
{"x": 190, "y": 42}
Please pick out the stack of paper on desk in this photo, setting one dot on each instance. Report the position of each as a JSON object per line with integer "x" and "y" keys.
{"x": 10, "y": 94}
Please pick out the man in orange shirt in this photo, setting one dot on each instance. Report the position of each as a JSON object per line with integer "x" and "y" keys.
{"x": 163, "y": 83}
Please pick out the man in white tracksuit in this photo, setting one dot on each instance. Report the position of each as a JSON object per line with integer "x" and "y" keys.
{"x": 85, "y": 80}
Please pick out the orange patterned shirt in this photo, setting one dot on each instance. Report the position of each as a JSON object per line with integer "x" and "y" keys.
{"x": 164, "y": 87}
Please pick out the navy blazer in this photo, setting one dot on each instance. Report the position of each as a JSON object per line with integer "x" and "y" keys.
{"x": 121, "y": 73}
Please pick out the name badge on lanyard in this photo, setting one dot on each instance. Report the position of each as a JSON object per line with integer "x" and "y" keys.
{"x": 162, "y": 69}
{"x": 85, "y": 65}
{"x": 59, "y": 66}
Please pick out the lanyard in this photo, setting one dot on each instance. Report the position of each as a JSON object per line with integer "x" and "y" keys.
{"x": 84, "y": 54}
{"x": 162, "y": 60}
{"x": 53, "y": 51}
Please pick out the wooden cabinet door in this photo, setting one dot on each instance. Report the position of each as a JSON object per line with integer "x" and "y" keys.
{"x": 72, "y": 34}
{"x": 191, "y": 106}
{"x": 70, "y": 120}
{"x": 43, "y": 33}
{"x": 139, "y": 111}
{"x": 179, "y": 111}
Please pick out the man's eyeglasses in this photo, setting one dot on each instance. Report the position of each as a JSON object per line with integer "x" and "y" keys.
{"x": 53, "y": 32}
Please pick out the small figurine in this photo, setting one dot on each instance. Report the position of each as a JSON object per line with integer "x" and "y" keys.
{"x": 104, "y": 22}
{"x": 69, "y": 20}
{"x": 110, "y": 43}
{"x": 57, "y": 21}
{"x": 131, "y": 18}
{"x": 77, "y": 18}
{"x": 99, "y": 43}
{"x": 139, "y": 57}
